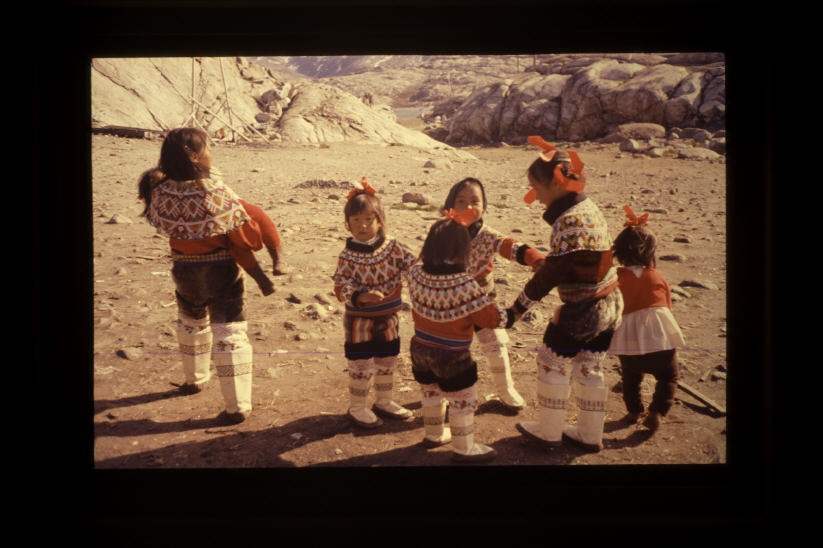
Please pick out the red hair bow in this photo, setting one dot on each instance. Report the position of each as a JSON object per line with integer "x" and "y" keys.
{"x": 367, "y": 188}
{"x": 547, "y": 155}
{"x": 465, "y": 217}
{"x": 634, "y": 220}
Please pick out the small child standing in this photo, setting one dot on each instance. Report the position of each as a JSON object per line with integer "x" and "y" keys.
{"x": 209, "y": 233}
{"x": 369, "y": 281}
{"x": 580, "y": 266}
{"x": 486, "y": 242}
{"x": 447, "y": 305}
{"x": 646, "y": 340}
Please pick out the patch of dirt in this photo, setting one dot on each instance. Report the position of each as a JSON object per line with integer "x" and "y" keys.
{"x": 300, "y": 392}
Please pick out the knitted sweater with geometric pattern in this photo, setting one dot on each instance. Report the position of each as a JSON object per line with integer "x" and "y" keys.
{"x": 447, "y": 304}
{"x": 365, "y": 267}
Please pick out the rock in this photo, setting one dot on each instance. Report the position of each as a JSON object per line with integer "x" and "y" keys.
{"x": 683, "y": 239}
{"x": 302, "y": 337}
{"x": 429, "y": 164}
{"x": 322, "y": 299}
{"x": 292, "y": 298}
{"x": 641, "y": 131}
{"x": 630, "y": 145}
{"x": 699, "y": 283}
{"x": 697, "y": 153}
{"x": 118, "y": 219}
{"x": 290, "y": 325}
{"x": 415, "y": 198}
{"x": 676, "y": 257}
{"x": 130, "y": 353}
{"x": 315, "y": 311}
{"x": 658, "y": 210}
{"x": 263, "y": 118}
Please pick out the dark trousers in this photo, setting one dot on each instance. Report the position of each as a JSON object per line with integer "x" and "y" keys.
{"x": 215, "y": 289}
{"x": 449, "y": 369}
{"x": 663, "y": 367}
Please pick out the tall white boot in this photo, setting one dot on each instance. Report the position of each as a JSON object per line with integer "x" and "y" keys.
{"x": 232, "y": 355}
{"x": 194, "y": 338}
{"x": 552, "y": 398}
{"x": 383, "y": 386}
{"x": 360, "y": 377}
{"x": 463, "y": 404}
{"x": 591, "y": 414}
{"x": 493, "y": 346}
{"x": 434, "y": 416}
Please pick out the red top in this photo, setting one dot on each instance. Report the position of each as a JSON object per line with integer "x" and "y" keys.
{"x": 241, "y": 242}
{"x": 650, "y": 289}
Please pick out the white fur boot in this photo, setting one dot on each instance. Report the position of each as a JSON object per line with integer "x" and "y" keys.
{"x": 383, "y": 386}
{"x": 461, "y": 419}
{"x": 493, "y": 346}
{"x": 591, "y": 414}
{"x": 360, "y": 377}
{"x": 194, "y": 338}
{"x": 552, "y": 397}
{"x": 232, "y": 355}
{"x": 434, "y": 416}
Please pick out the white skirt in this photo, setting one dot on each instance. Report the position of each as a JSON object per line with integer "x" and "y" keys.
{"x": 646, "y": 330}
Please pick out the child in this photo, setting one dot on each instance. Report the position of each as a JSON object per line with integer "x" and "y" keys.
{"x": 648, "y": 334}
{"x": 485, "y": 244}
{"x": 369, "y": 280}
{"x": 580, "y": 266}
{"x": 447, "y": 305}
{"x": 209, "y": 232}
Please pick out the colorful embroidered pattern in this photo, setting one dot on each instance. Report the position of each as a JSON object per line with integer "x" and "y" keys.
{"x": 380, "y": 271}
{"x": 445, "y": 298}
{"x": 234, "y": 370}
{"x": 590, "y": 405}
{"x": 581, "y": 227}
{"x": 484, "y": 246}
{"x": 195, "y": 210}
{"x": 579, "y": 292}
{"x": 551, "y": 403}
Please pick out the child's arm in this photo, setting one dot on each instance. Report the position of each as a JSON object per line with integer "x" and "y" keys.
{"x": 243, "y": 241}
{"x": 269, "y": 233}
{"x": 523, "y": 254}
{"x": 491, "y": 316}
{"x": 544, "y": 280}
{"x": 347, "y": 290}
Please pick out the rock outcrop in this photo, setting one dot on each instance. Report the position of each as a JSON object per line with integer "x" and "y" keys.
{"x": 585, "y": 97}
{"x": 232, "y": 98}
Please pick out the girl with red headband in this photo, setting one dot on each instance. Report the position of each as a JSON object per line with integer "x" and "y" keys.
{"x": 211, "y": 231}
{"x": 648, "y": 335}
{"x": 580, "y": 266}
{"x": 447, "y": 306}
{"x": 486, "y": 243}
{"x": 369, "y": 281}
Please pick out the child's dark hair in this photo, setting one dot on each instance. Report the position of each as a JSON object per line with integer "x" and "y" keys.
{"x": 543, "y": 171}
{"x": 635, "y": 245}
{"x": 180, "y": 157}
{"x": 363, "y": 201}
{"x": 446, "y": 241}
{"x": 455, "y": 190}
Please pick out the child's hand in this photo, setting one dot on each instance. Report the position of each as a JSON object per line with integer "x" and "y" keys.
{"x": 277, "y": 261}
{"x": 538, "y": 265}
{"x": 370, "y": 297}
{"x": 263, "y": 282}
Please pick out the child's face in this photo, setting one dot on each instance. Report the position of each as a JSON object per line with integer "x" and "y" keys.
{"x": 470, "y": 197}
{"x": 364, "y": 225}
{"x": 546, "y": 193}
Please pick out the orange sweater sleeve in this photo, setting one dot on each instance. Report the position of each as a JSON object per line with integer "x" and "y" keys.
{"x": 243, "y": 241}
{"x": 268, "y": 230}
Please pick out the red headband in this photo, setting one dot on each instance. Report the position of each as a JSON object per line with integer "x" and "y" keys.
{"x": 367, "y": 188}
{"x": 465, "y": 217}
{"x": 547, "y": 155}
{"x": 634, "y": 220}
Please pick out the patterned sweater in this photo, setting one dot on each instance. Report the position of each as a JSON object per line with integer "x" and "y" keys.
{"x": 485, "y": 244}
{"x": 580, "y": 261}
{"x": 447, "y": 303}
{"x": 379, "y": 266}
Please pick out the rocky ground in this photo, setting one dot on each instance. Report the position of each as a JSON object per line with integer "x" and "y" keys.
{"x": 300, "y": 381}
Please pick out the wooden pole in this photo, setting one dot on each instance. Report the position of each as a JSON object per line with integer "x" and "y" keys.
{"x": 226, "y": 91}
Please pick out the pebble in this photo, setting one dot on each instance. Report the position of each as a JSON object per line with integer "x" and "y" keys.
{"x": 118, "y": 219}
{"x": 660, "y": 210}
{"x": 322, "y": 299}
{"x": 677, "y": 290}
{"x": 302, "y": 337}
{"x": 699, "y": 283}
{"x": 130, "y": 353}
{"x": 676, "y": 257}
{"x": 315, "y": 312}
{"x": 290, "y": 325}
{"x": 292, "y": 298}
{"x": 683, "y": 240}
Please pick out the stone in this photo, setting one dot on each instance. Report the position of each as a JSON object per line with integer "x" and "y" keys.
{"x": 415, "y": 198}
{"x": 118, "y": 219}
{"x": 704, "y": 284}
